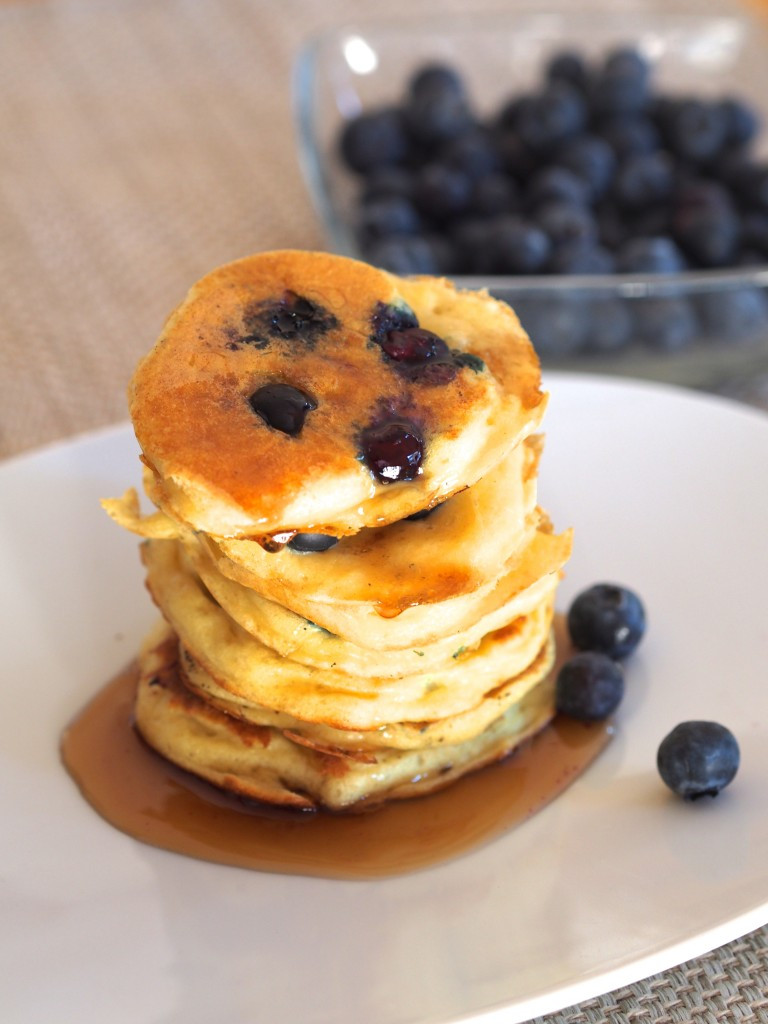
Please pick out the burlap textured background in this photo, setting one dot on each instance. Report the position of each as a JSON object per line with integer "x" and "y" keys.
{"x": 142, "y": 142}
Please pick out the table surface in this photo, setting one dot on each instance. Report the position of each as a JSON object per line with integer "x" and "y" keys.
{"x": 126, "y": 172}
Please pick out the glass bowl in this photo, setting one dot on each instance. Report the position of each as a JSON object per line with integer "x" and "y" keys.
{"x": 715, "y": 322}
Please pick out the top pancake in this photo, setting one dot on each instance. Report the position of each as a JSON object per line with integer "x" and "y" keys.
{"x": 314, "y": 321}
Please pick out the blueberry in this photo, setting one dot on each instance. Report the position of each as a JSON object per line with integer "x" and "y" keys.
{"x": 389, "y": 317}
{"x": 754, "y": 232}
{"x": 612, "y": 225}
{"x": 607, "y": 618}
{"x": 694, "y": 129}
{"x": 648, "y": 221}
{"x": 589, "y": 687}
{"x": 657, "y": 255}
{"x": 564, "y": 222}
{"x": 292, "y": 318}
{"x": 312, "y": 542}
{"x": 741, "y": 120}
{"x": 733, "y": 168}
{"x": 282, "y": 406}
{"x": 629, "y": 62}
{"x": 386, "y": 216}
{"x": 708, "y": 236}
{"x": 519, "y": 247}
{"x": 734, "y": 314}
{"x": 442, "y": 192}
{"x": 374, "y": 139}
{"x": 432, "y": 116}
{"x": 387, "y": 181}
{"x": 407, "y": 254}
{"x": 474, "y": 153}
{"x": 698, "y": 759}
{"x": 581, "y": 256}
{"x": 557, "y": 184}
{"x": 517, "y": 159}
{"x": 548, "y": 118}
{"x": 610, "y": 326}
{"x": 414, "y": 345}
{"x": 570, "y": 67}
{"x": 433, "y": 373}
{"x": 470, "y": 360}
{"x": 557, "y": 325}
{"x": 630, "y": 136}
{"x": 436, "y": 77}
{"x": 621, "y": 86}
{"x": 666, "y": 323}
{"x": 474, "y": 241}
{"x": 392, "y": 451}
{"x": 702, "y": 193}
{"x": 755, "y": 183}
{"x": 644, "y": 179}
{"x": 592, "y": 159}
{"x": 492, "y": 195}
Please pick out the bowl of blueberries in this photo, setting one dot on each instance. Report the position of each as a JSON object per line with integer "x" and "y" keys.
{"x": 605, "y": 173}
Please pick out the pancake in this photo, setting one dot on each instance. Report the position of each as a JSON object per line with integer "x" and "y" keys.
{"x": 262, "y": 763}
{"x": 293, "y": 636}
{"x": 533, "y": 570}
{"x": 398, "y": 735}
{"x": 256, "y": 673}
{"x": 457, "y": 548}
{"x": 236, "y": 455}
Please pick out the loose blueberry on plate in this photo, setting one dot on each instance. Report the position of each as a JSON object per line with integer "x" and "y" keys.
{"x": 698, "y": 759}
{"x": 589, "y": 687}
{"x": 607, "y": 618}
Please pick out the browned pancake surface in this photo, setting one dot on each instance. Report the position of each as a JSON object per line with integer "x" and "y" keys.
{"x": 189, "y": 399}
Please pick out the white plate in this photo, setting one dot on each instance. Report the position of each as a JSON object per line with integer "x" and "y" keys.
{"x": 668, "y": 492}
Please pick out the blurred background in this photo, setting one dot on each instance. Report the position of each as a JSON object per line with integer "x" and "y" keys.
{"x": 143, "y": 143}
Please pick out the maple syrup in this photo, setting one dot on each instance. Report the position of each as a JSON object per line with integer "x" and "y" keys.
{"x": 140, "y": 793}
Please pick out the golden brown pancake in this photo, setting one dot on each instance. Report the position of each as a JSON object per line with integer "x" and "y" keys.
{"x": 269, "y": 764}
{"x": 313, "y": 322}
{"x": 248, "y": 669}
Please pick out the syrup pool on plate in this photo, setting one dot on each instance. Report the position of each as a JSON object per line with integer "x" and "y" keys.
{"x": 141, "y": 794}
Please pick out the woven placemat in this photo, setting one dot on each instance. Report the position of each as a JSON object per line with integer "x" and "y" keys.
{"x": 141, "y": 144}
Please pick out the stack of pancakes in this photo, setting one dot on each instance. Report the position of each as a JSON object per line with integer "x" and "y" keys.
{"x": 355, "y": 578}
